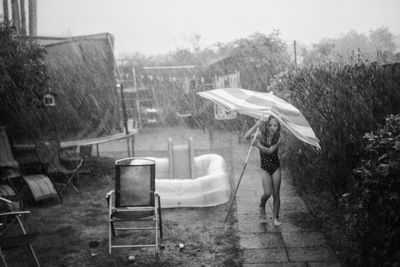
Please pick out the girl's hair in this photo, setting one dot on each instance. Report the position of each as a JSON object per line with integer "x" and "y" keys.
{"x": 278, "y": 131}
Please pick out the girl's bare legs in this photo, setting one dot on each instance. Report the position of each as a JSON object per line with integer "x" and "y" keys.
{"x": 276, "y": 185}
{"x": 266, "y": 181}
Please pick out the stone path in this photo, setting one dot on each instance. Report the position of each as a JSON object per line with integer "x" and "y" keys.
{"x": 297, "y": 242}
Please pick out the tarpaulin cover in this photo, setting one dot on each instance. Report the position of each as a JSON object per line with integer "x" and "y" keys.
{"x": 82, "y": 75}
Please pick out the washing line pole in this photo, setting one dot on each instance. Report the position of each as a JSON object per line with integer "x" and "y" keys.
{"x": 241, "y": 175}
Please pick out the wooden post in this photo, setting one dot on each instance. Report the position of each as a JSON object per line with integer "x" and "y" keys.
{"x": 125, "y": 117}
{"x": 15, "y": 15}
{"x": 295, "y": 54}
{"x": 137, "y": 104}
{"x": 5, "y": 10}
{"x": 23, "y": 18}
{"x": 32, "y": 17}
{"x": 133, "y": 145}
{"x": 170, "y": 158}
{"x": 124, "y": 114}
{"x": 191, "y": 157}
{"x": 128, "y": 147}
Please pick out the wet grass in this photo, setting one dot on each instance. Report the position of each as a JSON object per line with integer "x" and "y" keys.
{"x": 66, "y": 228}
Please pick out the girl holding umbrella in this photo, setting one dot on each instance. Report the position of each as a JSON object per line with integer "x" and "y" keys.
{"x": 268, "y": 141}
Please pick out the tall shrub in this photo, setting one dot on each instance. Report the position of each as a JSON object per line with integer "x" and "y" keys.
{"x": 373, "y": 203}
{"x": 23, "y": 78}
{"x": 341, "y": 104}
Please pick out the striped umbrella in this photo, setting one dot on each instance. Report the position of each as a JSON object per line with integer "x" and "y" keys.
{"x": 258, "y": 105}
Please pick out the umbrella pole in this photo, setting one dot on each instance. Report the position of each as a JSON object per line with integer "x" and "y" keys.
{"x": 241, "y": 175}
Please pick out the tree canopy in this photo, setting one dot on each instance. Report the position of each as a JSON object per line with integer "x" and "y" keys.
{"x": 354, "y": 47}
{"x": 23, "y": 79}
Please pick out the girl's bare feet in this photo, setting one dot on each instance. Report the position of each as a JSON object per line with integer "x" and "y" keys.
{"x": 277, "y": 222}
{"x": 262, "y": 213}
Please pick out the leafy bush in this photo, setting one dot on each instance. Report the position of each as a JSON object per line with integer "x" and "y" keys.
{"x": 341, "y": 104}
{"x": 372, "y": 206}
{"x": 23, "y": 78}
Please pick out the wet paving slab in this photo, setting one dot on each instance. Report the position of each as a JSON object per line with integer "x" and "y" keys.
{"x": 297, "y": 242}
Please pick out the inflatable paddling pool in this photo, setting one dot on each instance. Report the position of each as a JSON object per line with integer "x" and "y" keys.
{"x": 183, "y": 180}
{"x": 209, "y": 187}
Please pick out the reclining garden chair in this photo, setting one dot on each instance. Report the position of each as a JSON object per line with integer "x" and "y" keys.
{"x": 135, "y": 201}
{"x": 48, "y": 152}
{"x": 13, "y": 234}
{"x": 39, "y": 184}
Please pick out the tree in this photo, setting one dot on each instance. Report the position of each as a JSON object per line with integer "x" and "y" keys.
{"x": 353, "y": 48}
{"x": 258, "y": 58}
{"x": 383, "y": 39}
{"x": 23, "y": 79}
{"x": 195, "y": 41}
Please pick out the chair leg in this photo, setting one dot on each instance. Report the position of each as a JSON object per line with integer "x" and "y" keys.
{"x": 110, "y": 229}
{"x": 3, "y": 259}
{"x": 32, "y": 252}
{"x": 157, "y": 226}
{"x": 33, "y": 255}
{"x": 160, "y": 218}
{"x": 156, "y": 233}
{"x": 69, "y": 182}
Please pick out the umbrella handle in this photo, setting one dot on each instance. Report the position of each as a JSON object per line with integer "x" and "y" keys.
{"x": 241, "y": 175}
{"x": 5, "y": 200}
{"x": 254, "y": 139}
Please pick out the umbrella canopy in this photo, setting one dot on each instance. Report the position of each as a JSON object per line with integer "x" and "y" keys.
{"x": 258, "y": 105}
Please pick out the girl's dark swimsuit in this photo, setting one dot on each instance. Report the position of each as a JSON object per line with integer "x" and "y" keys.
{"x": 269, "y": 162}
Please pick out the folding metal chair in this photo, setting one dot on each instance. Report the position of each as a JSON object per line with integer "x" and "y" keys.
{"x": 135, "y": 201}
{"x": 13, "y": 234}
{"x": 48, "y": 152}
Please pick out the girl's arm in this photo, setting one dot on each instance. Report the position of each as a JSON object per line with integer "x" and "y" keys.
{"x": 252, "y": 130}
{"x": 268, "y": 150}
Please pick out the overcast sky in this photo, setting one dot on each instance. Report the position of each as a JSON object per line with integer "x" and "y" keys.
{"x": 159, "y": 26}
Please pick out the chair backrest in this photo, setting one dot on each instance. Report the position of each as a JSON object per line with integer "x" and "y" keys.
{"x": 48, "y": 152}
{"x": 134, "y": 182}
{"x": 6, "y": 155}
